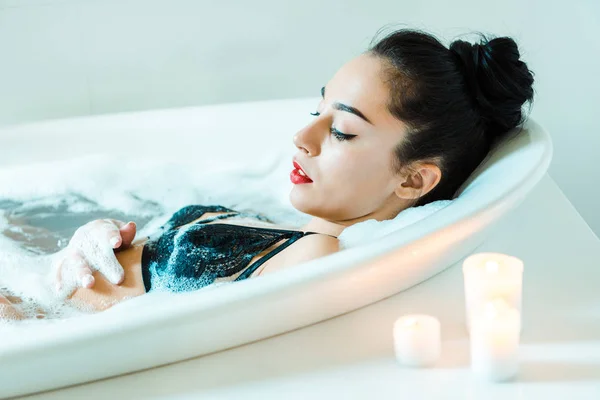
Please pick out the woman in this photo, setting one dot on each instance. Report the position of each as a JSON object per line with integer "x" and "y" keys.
{"x": 401, "y": 125}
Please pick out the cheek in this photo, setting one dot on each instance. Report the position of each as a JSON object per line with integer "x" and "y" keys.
{"x": 363, "y": 169}
{"x": 340, "y": 169}
{"x": 352, "y": 183}
{"x": 362, "y": 176}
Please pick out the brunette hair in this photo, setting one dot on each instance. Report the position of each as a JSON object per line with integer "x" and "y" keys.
{"x": 456, "y": 101}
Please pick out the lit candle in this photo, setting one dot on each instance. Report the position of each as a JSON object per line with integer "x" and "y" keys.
{"x": 417, "y": 340}
{"x": 495, "y": 341}
{"x": 489, "y": 276}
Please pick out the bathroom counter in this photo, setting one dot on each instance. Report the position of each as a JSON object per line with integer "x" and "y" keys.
{"x": 352, "y": 356}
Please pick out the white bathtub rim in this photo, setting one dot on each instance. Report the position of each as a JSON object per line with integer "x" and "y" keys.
{"x": 304, "y": 273}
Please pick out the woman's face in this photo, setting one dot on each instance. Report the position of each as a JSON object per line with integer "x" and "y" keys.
{"x": 352, "y": 175}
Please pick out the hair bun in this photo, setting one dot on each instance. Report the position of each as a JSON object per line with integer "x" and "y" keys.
{"x": 499, "y": 82}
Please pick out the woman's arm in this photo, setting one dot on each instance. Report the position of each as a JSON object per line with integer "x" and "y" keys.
{"x": 103, "y": 295}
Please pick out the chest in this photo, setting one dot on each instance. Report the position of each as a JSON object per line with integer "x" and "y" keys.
{"x": 281, "y": 259}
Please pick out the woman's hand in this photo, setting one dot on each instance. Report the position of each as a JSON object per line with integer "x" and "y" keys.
{"x": 92, "y": 247}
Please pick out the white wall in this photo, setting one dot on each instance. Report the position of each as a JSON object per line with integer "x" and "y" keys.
{"x": 62, "y": 58}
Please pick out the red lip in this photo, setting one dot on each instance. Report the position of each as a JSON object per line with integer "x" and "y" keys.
{"x": 295, "y": 176}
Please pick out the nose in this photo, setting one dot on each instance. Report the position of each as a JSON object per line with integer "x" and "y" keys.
{"x": 309, "y": 138}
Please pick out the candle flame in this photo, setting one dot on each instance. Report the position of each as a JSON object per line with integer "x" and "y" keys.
{"x": 411, "y": 322}
{"x": 491, "y": 266}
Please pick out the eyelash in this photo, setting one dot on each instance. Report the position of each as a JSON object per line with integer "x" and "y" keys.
{"x": 338, "y": 135}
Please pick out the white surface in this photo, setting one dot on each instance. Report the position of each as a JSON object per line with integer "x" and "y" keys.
{"x": 61, "y": 58}
{"x": 292, "y": 298}
{"x": 352, "y": 356}
{"x": 372, "y": 229}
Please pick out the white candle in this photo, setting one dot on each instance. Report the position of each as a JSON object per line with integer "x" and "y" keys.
{"x": 489, "y": 276}
{"x": 495, "y": 341}
{"x": 417, "y": 340}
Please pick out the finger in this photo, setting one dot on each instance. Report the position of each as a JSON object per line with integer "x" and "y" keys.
{"x": 69, "y": 264}
{"x": 85, "y": 277}
{"x": 93, "y": 244}
{"x": 58, "y": 275}
{"x": 64, "y": 276}
{"x": 105, "y": 261}
{"x": 84, "y": 272}
{"x": 112, "y": 233}
{"x": 128, "y": 233}
{"x": 58, "y": 261}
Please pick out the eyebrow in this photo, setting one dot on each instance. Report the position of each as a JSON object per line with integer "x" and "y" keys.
{"x": 344, "y": 107}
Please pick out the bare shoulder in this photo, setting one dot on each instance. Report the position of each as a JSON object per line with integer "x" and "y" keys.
{"x": 320, "y": 242}
{"x": 307, "y": 248}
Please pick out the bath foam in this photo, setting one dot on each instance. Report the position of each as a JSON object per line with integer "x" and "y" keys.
{"x": 366, "y": 231}
{"x": 25, "y": 276}
{"x": 136, "y": 188}
{"x": 167, "y": 280}
{"x": 143, "y": 187}
{"x": 150, "y": 189}
{"x": 209, "y": 320}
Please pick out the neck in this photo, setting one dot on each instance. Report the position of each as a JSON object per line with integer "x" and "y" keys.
{"x": 335, "y": 228}
{"x": 324, "y": 226}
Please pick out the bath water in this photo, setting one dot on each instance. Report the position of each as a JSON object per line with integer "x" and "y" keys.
{"x": 41, "y": 206}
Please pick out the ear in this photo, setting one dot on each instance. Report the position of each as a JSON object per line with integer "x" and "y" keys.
{"x": 419, "y": 181}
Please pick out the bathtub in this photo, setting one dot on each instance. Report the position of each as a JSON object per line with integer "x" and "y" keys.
{"x": 179, "y": 327}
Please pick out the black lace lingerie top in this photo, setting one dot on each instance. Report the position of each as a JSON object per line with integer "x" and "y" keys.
{"x": 197, "y": 255}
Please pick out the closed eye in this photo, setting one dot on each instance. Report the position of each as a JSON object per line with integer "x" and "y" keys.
{"x": 338, "y": 135}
